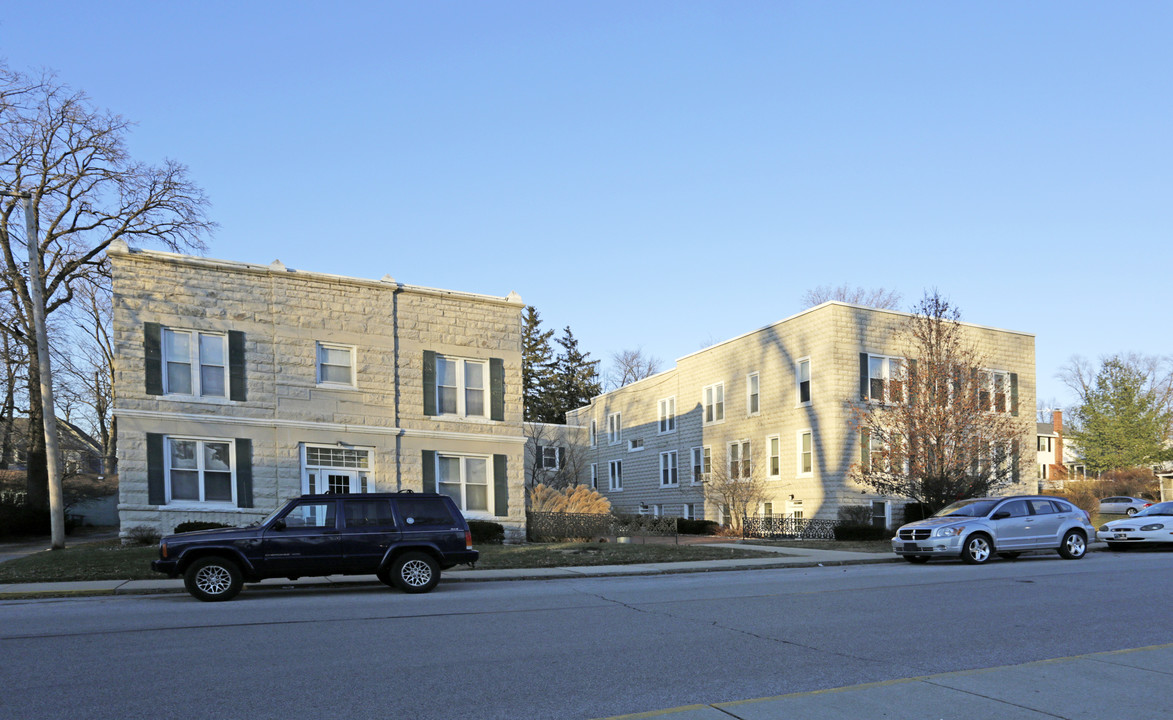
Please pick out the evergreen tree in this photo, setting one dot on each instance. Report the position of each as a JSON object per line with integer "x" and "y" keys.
{"x": 537, "y": 367}
{"x": 576, "y": 378}
{"x": 1123, "y": 420}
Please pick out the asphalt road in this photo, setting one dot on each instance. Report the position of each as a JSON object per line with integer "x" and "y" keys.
{"x": 567, "y": 648}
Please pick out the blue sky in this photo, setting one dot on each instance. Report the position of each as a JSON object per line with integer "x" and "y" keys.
{"x": 666, "y": 174}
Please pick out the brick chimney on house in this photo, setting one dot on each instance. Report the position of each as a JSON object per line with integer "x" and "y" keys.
{"x": 1060, "y": 469}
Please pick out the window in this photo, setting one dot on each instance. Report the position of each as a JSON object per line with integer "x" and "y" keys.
{"x": 550, "y": 457}
{"x": 739, "y": 459}
{"x": 794, "y": 509}
{"x": 803, "y": 376}
{"x": 774, "y": 465}
{"x": 668, "y": 476}
{"x": 594, "y": 476}
{"x": 615, "y": 475}
{"x": 466, "y": 480}
{"x": 311, "y": 514}
{"x": 806, "y": 461}
{"x": 714, "y": 403}
{"x": 752, "y": 396}
{"x": 334, "y": 469}
{"x": 196, "y": 363}
{"x": 460, "y": 386}
{"x": 886, "y": 379}
{"x": 702, "y": 463}
{"x": 1042, "y": 472}
{"x": 657, "y": 510}
{"x": 687, "y": 512}
{"x": 668, "y": 415}
{"x": 594, "y": 434}
{"x": 1044, "y": 444}
{"x": 200, "y": 471}
{"x": 880, "y": 513}
{"x": 614, "y": 428}
{"x": 994, "y": 391}
{"x": 636, "y": 444}
{"x": 767, "y": 510}
{"x": 335, "y": 365}
{"x": 368, "y": 513}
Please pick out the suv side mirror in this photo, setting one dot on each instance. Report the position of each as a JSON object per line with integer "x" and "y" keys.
{"x": 278, "y": 524}
{"x": 1000, "y": 514}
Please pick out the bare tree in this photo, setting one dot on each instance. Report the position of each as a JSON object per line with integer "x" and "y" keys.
{"x": 554, "y": 455}
{"x": 874, "y": 297}
{"x": 87, "y": 192}
{"x": 939, "y": 427}
{"x": 627, "y": 366}
{"x": 90, "y": 368}
{"x": 738, "y": 488}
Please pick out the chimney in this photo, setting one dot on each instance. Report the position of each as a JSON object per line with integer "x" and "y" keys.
{"x": 1057, "y": 426}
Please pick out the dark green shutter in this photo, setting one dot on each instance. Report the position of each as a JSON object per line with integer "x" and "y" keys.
{"x": 496, "y": 389}
{"x": 429, "y": 382}
{"x": 244, "y": 473}
{"x": 500, "y": 486}
{"x": 863, "y": 376}
{"x": 237, "y": 389}
{"x": 153, "y": 350}
{"x": 156, "y": 479}
{"x": 865, "y": 456}
{"x": 912, "y": 381}
{"x": 429, "y": 460}
{"x": 1014, "y": 394}
{"x": 1014, "y": 469}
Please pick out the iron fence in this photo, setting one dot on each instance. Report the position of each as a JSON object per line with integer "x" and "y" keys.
{"x": 789, "y": 528}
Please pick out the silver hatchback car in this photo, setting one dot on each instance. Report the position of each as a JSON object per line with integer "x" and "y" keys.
{"x": 978, "y": 528}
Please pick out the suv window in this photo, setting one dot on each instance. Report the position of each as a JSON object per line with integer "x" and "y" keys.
{"x": 424, "y": 511}
{"x": 313, "y": 514}
{"x": 368, "y": 513}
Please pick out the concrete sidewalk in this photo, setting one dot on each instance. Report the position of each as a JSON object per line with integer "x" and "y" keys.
{"x": 1128, "y": 684}
{"x": 780, "y": 557}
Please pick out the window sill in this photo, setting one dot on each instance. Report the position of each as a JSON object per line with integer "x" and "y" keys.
{"x": 211, "y": 505}
{"x": 206, "y": 399}
{"x": 336, "y": 386}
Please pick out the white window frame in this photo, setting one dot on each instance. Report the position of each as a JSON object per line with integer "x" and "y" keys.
{"x": 635, "y": 445}
{"x": 657, "y": 510}
{"x": 544, "y": 457}
{"x": 798, "y": 381}
{"x": 766, "y": 510}
{"x": 360, "y": 471}
{"x": 794, "y": 509}
{"x": 615, "y": 476}
{"x": 669, "y": 469}
{"x": 614, "y": 428}
{"x": 700, "y": 456}
{"x": 885, "y": 376}
{"x": 462, "y": 501}
{"x": 319, "y": 347}
{"x": 667, "y": 415}
{"x": 594, "y": 433}
{"x": 990, "y": 387}
{"x": 713, "y": 404}
{"x": 594, "y": 476}
{"x": 773, "y": 457}
{"x": 799, "y": 452}
{"x": 461, "y": 386}
{"x": 744, "y": 459}
{"x": 753, "y": 394}
{"x": 687, "y": 512}
{"x": 194, "y": 361}
{"x": 200, "y": 469}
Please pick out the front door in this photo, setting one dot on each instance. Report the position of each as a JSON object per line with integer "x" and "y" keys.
{"x": 308, "y": 544}
{"x": 323, "y": 481}
{"x": 1014, "y": 531}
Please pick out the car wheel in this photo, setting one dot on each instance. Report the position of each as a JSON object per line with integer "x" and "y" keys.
{"x": 1009, "y": 555}
{"x": 1131, "y": 512}
{"x": 976, "y": 550}
{"x": 1074, "y": 545}
{"x": 213, "y": 579}
{"x": 415, "y": 572}
{"x": 917, "y": 559}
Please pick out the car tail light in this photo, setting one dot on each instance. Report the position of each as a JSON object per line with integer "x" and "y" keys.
{"x": 468, "y": 540}
{"x": 163, "y": 550}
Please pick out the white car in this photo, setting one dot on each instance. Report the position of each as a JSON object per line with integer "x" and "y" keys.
{"x": 1154, "y": 524}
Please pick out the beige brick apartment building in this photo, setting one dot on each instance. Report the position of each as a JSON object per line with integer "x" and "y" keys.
{"x": 781, "y": 396}
{"x": 242, "y": 385}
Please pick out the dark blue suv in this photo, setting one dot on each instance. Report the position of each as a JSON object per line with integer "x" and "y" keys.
{"x": 405, "y": 539}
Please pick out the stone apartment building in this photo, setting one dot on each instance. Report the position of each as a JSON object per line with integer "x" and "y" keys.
{"x": 781, "y": 397}
{"x": 242, "y": 385}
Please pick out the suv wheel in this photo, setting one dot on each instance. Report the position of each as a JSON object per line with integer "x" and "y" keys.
{"x": 1074, "y": 546}
{"x": 976, "y": 550}
{"x": 212, "y": 579}
{"x": 415, "y": 572}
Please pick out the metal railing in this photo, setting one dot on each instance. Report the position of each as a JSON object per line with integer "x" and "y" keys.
{"x": 788, "y": 528}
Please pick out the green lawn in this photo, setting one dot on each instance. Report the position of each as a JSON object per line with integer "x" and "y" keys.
{"x": 872, "y": 546}
{"x": 102, "y": 560}
{"x": 547, "y": 555}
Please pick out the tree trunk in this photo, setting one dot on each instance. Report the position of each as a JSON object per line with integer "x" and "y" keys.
{"x": 37, "y": 475}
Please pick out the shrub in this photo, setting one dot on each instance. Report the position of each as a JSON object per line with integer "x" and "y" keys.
{"x": 17, "y": 518}
{"x": 855, "y": 515}
{"x": 485, "y": 532}
{"x": 193, "y": 525}
{"x": 697, "y": 527}
{"x": 576, "y": 499}
{"x": 846, "y": 531}
{"x": 142, "y": 535}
